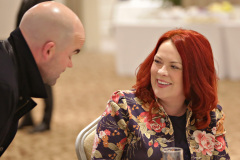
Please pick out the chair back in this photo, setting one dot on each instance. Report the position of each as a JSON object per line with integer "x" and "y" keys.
{"x": 85, "y": 139}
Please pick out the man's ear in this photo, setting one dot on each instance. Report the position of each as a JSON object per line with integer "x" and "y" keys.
{"x": 48, "y": 50}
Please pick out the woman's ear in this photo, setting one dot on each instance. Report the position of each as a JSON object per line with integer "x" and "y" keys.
{"x": 48, "y": 50}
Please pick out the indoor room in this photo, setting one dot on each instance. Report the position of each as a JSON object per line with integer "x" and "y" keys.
{"x": 119, "y": 35}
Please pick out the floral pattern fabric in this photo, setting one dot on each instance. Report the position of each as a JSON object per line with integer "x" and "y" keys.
{"x": 126, "y": 131}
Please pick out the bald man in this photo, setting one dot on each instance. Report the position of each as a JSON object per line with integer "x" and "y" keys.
{"x": 35, "y": 54}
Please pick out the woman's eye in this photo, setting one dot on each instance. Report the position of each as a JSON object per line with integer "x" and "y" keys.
{"x": 175, "y": 67}
{"x": 157, "y": 61}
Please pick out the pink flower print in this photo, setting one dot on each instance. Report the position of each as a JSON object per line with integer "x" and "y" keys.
{"x": 205, "y": 141}
{"x": 115, "y": 97}
{"x": 220, "y": 144}
{"x": 214, "y": 130}
{"x": 157, "y": 125}
{"x": 144, "y": 117}
{"x": 150, "y": 143}
{"x": 155, "y": 144}
{"x": 102, "y": 134}
{"x": 107, "y": 132}
{"x": 95, "y": 143}
{"x": 154, "y": 124}
{"x": 108, "y": 110}
{"x": 122, "y": 143}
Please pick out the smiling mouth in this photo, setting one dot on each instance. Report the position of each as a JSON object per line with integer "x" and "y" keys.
{"x": 163, "y": 83}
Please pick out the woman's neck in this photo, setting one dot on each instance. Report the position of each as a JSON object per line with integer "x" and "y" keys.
{"x": 174, "y": 107}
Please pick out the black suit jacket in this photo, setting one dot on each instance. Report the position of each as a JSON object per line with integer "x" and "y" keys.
{"x": 20, "y": 80}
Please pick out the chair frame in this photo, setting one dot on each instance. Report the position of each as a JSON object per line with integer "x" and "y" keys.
{"x": 79, "y": 144}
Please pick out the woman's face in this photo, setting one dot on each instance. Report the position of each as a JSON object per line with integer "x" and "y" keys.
{"x": 167, "y": 73}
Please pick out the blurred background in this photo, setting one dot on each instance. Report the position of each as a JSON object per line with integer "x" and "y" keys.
{"x": 119, "y": 35}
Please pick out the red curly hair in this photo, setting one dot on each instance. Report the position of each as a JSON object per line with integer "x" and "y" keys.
{"x": 199, "y": 75}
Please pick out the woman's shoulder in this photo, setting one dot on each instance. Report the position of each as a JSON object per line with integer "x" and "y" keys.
{"x": 218, "y": 110}
{"x": 219, "y": 107}
{"x": 127, "y": 97}
{"x": 217, "y": 114}
{"x": 122, "y": 94}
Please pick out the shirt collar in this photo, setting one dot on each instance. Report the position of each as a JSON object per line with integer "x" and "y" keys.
{"x": 30, "y": 80}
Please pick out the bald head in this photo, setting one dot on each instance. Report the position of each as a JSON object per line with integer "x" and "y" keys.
{"x": 49, "y": 21}
{"x": 54, "y": 34}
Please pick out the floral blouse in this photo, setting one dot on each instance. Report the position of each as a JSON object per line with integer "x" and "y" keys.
{"x": 125, "y": 132}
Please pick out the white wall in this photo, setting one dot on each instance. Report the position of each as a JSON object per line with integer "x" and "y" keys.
{"x": 8, "y": 13}
{"x": 106, "y": 12}
{"x": 90, "y": 18}
{"x": 95, "y": 15}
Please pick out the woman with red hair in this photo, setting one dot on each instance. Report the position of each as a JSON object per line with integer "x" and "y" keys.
{"x": 173, "y": 104}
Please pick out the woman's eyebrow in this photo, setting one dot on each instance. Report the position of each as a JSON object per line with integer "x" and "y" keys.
{"x": 170, "y": 62}
{"x": 175, "y": 62}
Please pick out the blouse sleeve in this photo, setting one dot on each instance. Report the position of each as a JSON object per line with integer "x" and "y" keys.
{"x": 111, "y": 133}
{"x": 221, "y": 146}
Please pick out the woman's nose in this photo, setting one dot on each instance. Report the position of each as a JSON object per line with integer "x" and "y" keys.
{"x": 163, "y": 71}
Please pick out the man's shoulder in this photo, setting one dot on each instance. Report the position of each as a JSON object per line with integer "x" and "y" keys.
{"x": 5, "y": 58}
{"x": 7, "y": 67}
